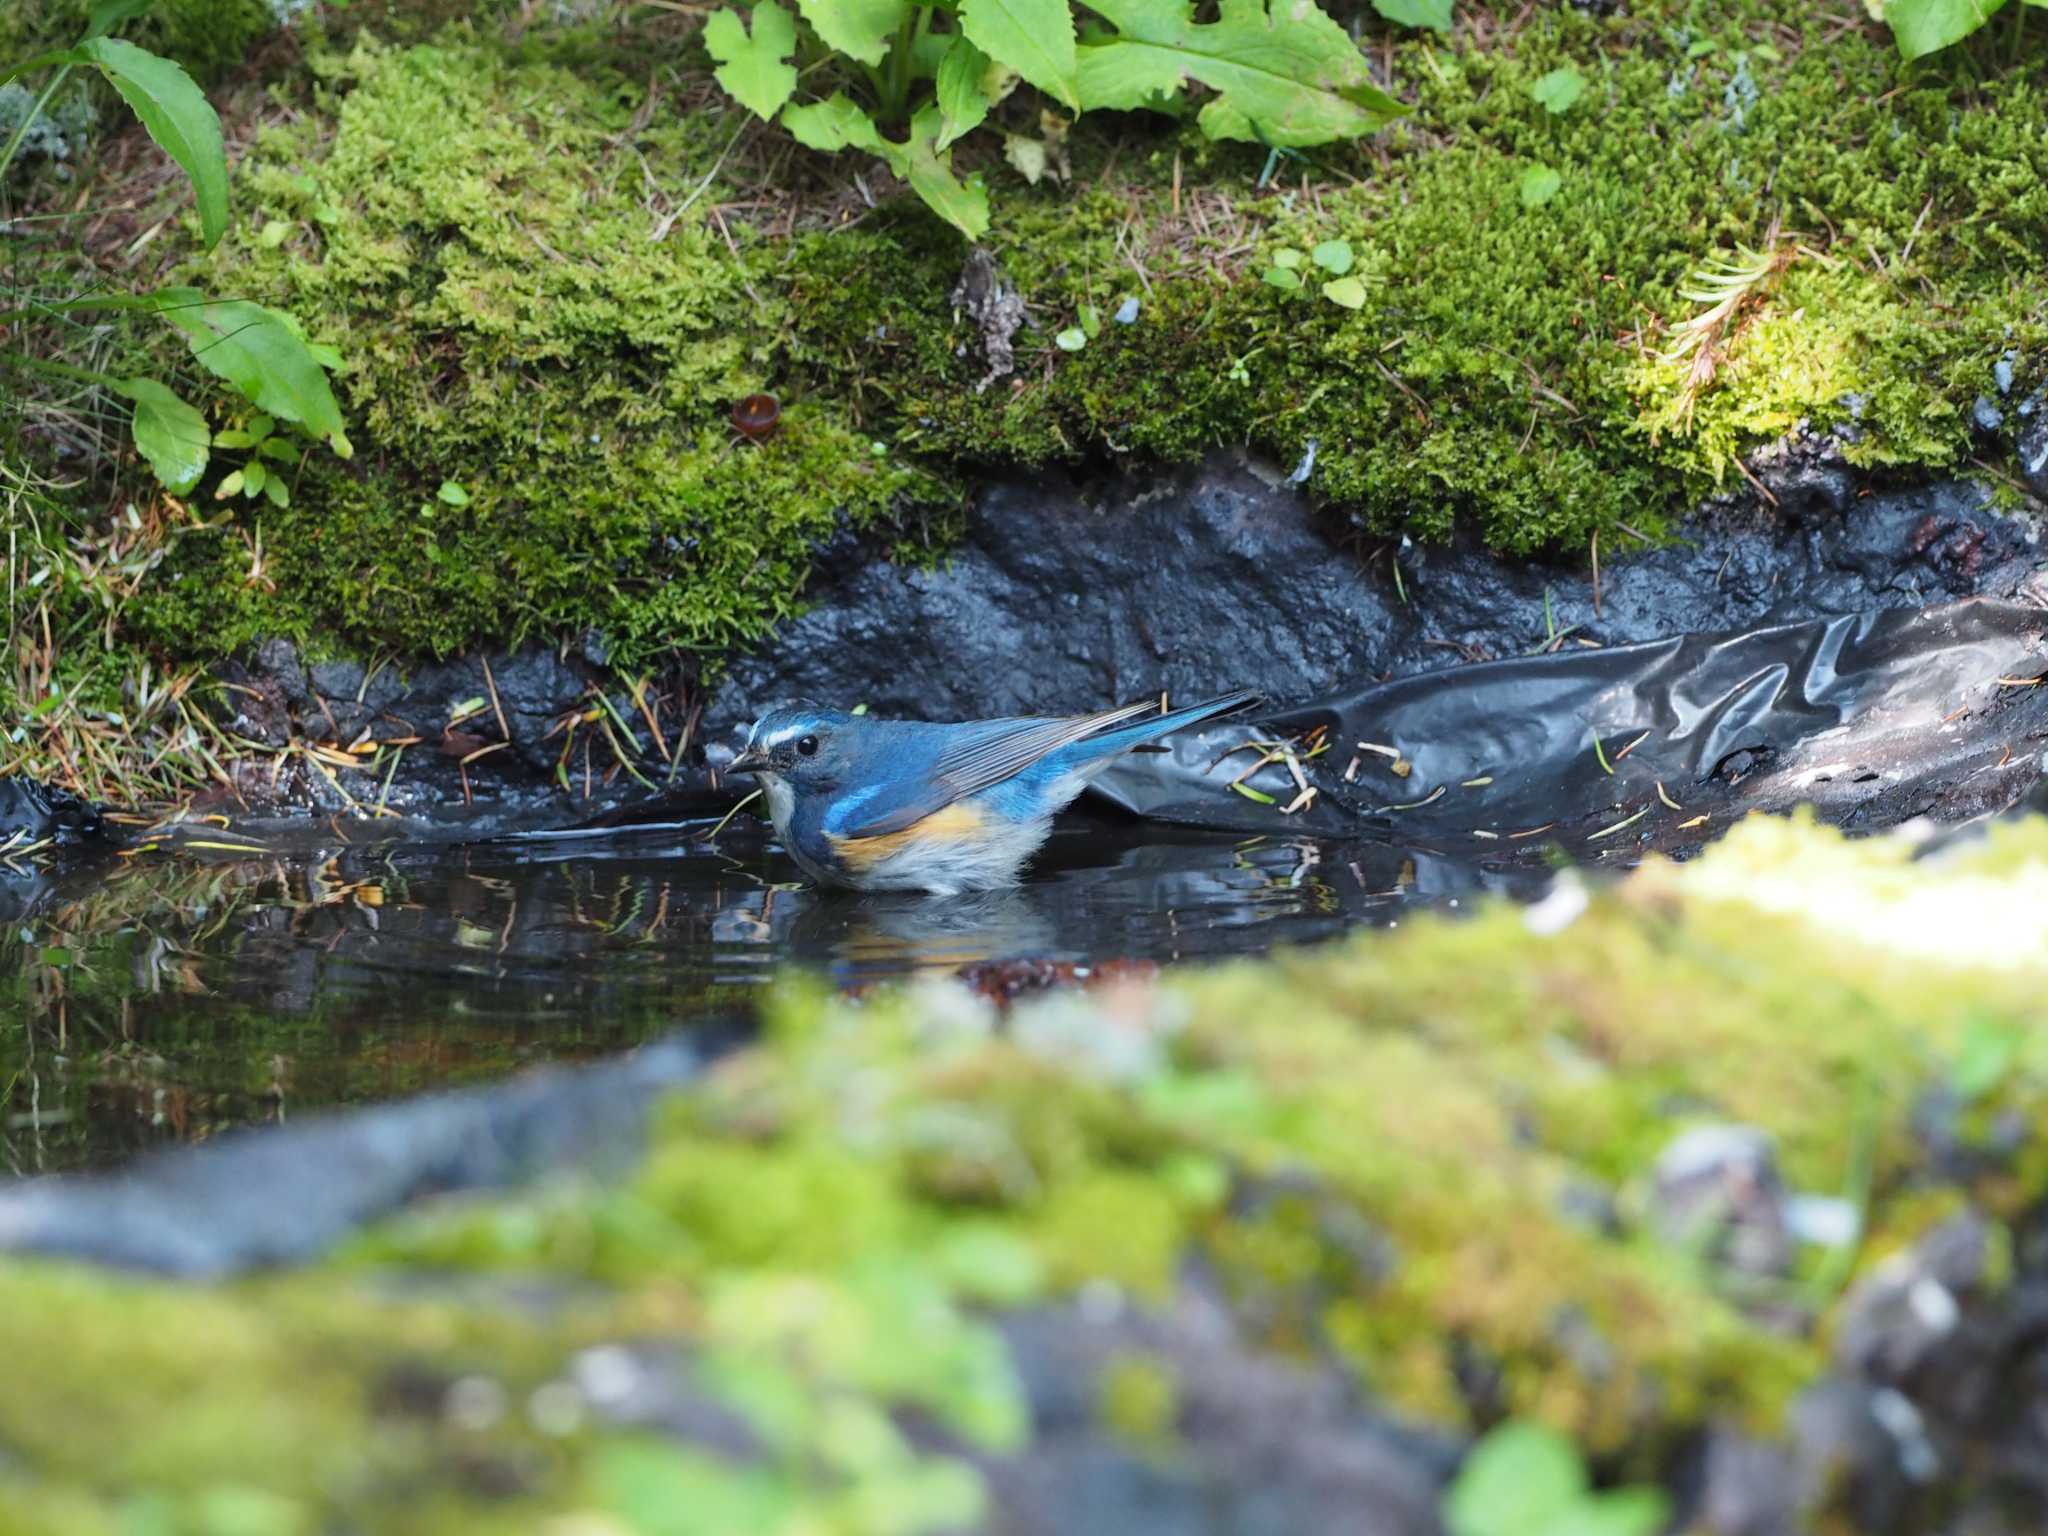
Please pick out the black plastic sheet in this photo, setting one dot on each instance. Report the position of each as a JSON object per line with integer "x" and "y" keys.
{"x": 1874, "y": 718}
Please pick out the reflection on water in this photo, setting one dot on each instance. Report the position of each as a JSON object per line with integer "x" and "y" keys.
{"x": 167, "y": 995}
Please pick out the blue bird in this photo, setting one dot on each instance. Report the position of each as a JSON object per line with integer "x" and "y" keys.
{"x": 908, "y": 805}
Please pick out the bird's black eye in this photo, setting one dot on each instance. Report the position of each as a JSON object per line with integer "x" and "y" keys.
{"x": 807, "y": 747}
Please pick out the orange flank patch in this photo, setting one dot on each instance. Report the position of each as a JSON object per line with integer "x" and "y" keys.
{"x": 953, "y": 823}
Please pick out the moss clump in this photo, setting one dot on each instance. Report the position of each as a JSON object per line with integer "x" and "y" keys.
{"x": 472, "y": 233}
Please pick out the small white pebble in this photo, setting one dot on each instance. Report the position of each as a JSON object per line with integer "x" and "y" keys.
{"x": 607, "y": 1374}
{"x": 1934, "y": 1305}
{"x": 1565, "y": 904}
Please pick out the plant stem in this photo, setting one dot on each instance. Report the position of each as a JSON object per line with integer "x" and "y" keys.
{"x": 28, "y": 120}
{"x": 902, "y": 56}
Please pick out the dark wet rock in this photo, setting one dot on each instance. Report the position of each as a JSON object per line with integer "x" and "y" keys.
{"x": 1746, "y": 1487}
{"x": 32, "y": 812}
{"x": 282, "y": 1196}
{"x": 1254, "y": 1444}
{"x": 2032, "y": 448}
{"x": 1717, "y": 1190}
{"x": 1063, "y": 594}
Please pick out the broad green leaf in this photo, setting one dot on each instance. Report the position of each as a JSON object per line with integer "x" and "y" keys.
{"x": 177, "y": 116}
{"x": 964, "y": 205}
{"x": 274, "y": 233}
{"x": 1289, "y": 78}
{"x": 254, "y": 478}
{"x": 1923, "y": 26}
{"x": 1072, "y": 339}
{"x": 259, "y": 352}
{"x": 109, "y": 14}
{"x": 171, "y": 434}
{"x": 1091, "y": 320}
{"x": 1624, "y": 1512}
{"x": 1539, "y": 185}
{"x": 1348, "y": 292}
{"x": 230, "y": 485}
{"x": 234, "y": 439}
{"x": 1033, "y": 37}
{"x": 452, "y": 493}
{"x": 1333, "y": 256}
{"x": 1515, "y": 1480}
{"x": 1284, "y": 278}
{"x": 279, "y": 493}
{"x": 860, "y": 29}
{"x": 277, "y": 450}
{"x": 832, "y": 125}
{"x": 1559, "y": 89}
{"x": 1434, "y": 14}
{"x": 753, "y": 70}
{"x": 963, "y": 100}
{"x": 1287, "y": 256}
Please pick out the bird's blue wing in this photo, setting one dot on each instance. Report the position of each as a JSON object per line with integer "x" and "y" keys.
{"x": 976, "y": 756}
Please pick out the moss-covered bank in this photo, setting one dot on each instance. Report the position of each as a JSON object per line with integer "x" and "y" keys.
{"x": 1424, "y": 1159}
{"x": 470, "y": 222}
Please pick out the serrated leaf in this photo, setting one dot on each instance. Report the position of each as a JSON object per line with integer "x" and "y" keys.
{"x": 1033, "y": 37}
{"x": 170, "y": 434}
{"x": 860, "y": 29}
{"x": 753, "y": 69}
{"x": 1539, "y": 185}
{"x": 259, "y": 352}
{"x": 1333, "y": 256}
{"x": 109, "y": 14}
{"x": 1072, "y": 339}
{"x": 1348, "y": 292}
{"x": 1559, "y": 89}
{"x": 1434, "y": 14}
{"x": 1289, "y": 78}
{"x": 177, "y": 116}
{"x": 962, "y": 204}
{"x": 832, "y": 125}
{"x": 1922, "y": 27}
{"x": 963, "y": 100}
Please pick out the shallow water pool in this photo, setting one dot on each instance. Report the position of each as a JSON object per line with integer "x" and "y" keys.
{"x": 167, "y": 995}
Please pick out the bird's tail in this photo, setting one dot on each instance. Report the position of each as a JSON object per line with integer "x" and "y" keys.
{"x": 1123, "y": 738}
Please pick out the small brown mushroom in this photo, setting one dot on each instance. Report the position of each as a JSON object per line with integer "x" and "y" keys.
{"x": 756, "y": 417}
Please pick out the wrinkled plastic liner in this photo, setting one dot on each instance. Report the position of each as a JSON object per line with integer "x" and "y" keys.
{"x": 1873, "y": 718}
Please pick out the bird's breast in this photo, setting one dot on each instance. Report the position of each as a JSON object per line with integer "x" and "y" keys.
{"x": 954, "y": 825}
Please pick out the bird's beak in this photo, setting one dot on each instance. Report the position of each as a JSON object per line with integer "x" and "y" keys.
{"x": 748, "y": 761}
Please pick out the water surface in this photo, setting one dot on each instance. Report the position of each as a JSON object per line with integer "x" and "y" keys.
{"x": 166, "y": 995}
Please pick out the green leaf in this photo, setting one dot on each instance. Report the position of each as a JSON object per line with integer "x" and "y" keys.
{"x": 279, "y": 493}
{"x": 1539, "y": 185}
{"x": 860, "y": 29}
{"x": 1284, "y": 278}
{"x": 233, "y": 439}
{"x": 1287, "y": 256}
{"x": 177, "y": 116}
{"x": 229, "y": 485}
{"x": 1989, "y": 1049}
{"x": 274, "y": 234}
{"x": 1515, "y": 1480}
{"x": 1559, "y": 89}
{"x": 1434, "y": 14}
{"x": 169, "y": 433}
{"x": 1033, "y": 37}
{"x": 1348, "y": 292}
{"x": 1091, "y": 320}
{"x": 832, "y": 125}
{"x": 752, "y": 69}
{"x": 1333, "y": 256}
{"x": 109, "y": 14}
{"x": 963, "y": 99}
{"x": 1072, "y": 339}
{"x": 277, "y": 450}
{"x": 452, "y": 494}
{"x": 964, "y": 205}
{"x": 258, "y": 351}
{"x": 1921, "y": 27}
{"x": 1289, "y": 78}
{"x": 254, "y": 478}
{"x": 1624, "y": 1512}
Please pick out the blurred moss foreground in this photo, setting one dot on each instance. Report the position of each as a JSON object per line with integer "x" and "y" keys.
{"x": 1434, "y": 1163}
